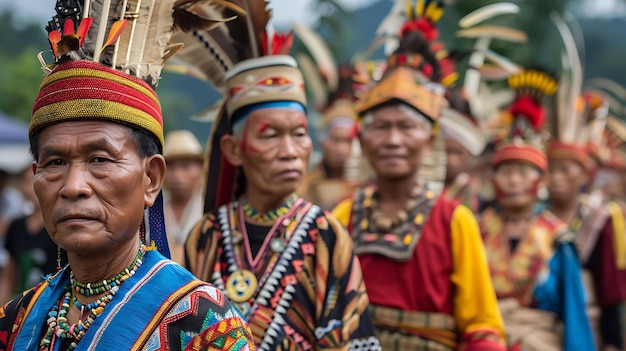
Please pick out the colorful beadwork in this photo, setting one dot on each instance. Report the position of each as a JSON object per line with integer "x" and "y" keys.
{"x": 58, "y": 326}
{"x": 90, "y": 289}
{"x": 270, "y": 216}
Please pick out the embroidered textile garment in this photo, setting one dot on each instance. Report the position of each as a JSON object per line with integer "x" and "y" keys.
{"x": 514, "y": 272}
{"x": 160, "y": 306}
{"x": 309, "y": 296}
{"x": 542, "y": 272}
{"x": 445, "y": 275}
{"x": 597, "y": 242}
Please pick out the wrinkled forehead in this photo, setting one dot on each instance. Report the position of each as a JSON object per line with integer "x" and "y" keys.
{"x": 84, "y": 135}
{"x": 395, "y": 113}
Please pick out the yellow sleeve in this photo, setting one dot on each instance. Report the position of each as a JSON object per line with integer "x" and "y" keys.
{"x": 619, "y": 228}
{"x": 342, "y": 212}
{"x": 475, "y": 304}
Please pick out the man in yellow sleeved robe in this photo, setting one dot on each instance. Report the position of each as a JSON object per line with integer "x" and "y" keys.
{"x": 422, "y": 258}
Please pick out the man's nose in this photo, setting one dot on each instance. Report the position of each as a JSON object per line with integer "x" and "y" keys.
{"x": 75, "y": 184}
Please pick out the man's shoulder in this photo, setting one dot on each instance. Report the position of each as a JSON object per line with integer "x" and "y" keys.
{"x": 13, "y": 312}
{"x": 443, "y": 209}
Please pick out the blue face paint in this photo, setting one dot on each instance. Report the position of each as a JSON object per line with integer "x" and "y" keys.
{"x": 244, "y": 112}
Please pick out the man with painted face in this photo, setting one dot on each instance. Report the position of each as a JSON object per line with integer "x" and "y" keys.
{"x": 288, "y": 265}
{"x": 422, "y": 257}
{"x": 533, "y": 262}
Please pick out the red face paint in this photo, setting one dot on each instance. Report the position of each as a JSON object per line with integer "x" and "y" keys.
{"x": 263, "y": 127}
{"x": 244, "y": 141}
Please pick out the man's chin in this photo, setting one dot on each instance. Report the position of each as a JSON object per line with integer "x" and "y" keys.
{"x": 287, "y": 188}
{"x": 559, "y": 197}
{"x": 395, "y": 175}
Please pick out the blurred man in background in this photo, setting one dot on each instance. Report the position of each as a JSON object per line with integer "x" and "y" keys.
{"x": 183, "y": 196}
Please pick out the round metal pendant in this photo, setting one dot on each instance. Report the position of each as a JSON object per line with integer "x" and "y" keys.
{"x": 241, "y": 285}
{"x": 277, "y": 245}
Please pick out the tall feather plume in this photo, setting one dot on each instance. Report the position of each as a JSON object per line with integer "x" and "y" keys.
{"x": 129, "y": 35}
{"x": 320, "y": 53}
{"x": 569, "y": 121}
{"x": 144, "y": 44}
{"x": 201, "y": 15}
{"x": 484, "y": 35}
{"x": 215, "y": 50}
{"x": 96, "y": 9}
{"x": 614, "y": 92}
{"x": 488, "y": 12}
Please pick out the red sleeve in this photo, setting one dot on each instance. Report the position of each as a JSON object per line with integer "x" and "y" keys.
{"x": 610, "y": 281}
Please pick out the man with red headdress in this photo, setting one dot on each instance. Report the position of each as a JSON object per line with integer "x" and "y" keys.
{"x": 594, "y": 218}
{"x": 532, "y": 260}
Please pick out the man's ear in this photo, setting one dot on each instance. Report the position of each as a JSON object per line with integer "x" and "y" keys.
{"x": 155, "y": 175}
{"x": 231, "y": 148}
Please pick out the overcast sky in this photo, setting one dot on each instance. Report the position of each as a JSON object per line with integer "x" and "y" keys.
{"x": 284, "y": 11}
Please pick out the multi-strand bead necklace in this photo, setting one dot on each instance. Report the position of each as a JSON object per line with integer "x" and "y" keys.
{"x": 58, "y": 327}
{"x": 269, "y": 216}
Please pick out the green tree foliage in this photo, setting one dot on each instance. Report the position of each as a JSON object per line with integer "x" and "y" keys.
{"x": 21, "y": 72}
{"x": 334, "y": 22}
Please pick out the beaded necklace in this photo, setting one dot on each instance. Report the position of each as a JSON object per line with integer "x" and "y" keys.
{"x": 58, "y": 326}
{"x": 385, "y": 223}
{"x": 90, "y": 289}
{"x": 269, "y": 216}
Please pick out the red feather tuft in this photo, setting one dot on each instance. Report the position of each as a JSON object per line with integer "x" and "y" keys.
{"x": 286, "y": 44}
{"x": 68, "y": 27}
{"x": 83, "y": 28}
{"x": 54, "y": 37}
{"x": 265, "y": 43}
{"x": 281, "y": 44}
{"x": 421, "y": 25}
{"x": 531, "y": 110}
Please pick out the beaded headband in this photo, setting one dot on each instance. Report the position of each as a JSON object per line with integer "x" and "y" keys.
{"x": 82, "y": 89}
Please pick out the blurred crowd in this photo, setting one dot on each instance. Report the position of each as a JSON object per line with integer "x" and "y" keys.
{"x": 451, "y": 208}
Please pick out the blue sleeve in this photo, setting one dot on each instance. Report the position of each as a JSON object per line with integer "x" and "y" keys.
{"x": 562, "y": 293}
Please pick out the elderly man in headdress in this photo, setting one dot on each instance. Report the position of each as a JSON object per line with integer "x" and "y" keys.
{"x": 421, "y": 254}
{"x": 584, "y": 132}
{"x": 96, "y": 135}
{"x": 532, "y": 259}
{"x": 287, "y": 264}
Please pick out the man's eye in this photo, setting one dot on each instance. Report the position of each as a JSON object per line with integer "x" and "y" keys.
{"x": 57, "y": 162}
{"x": 99, "y": 160}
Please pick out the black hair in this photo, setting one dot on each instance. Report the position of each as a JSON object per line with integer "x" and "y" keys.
{"x": 147, "y": 144}
{"x": 416, "y": 42}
